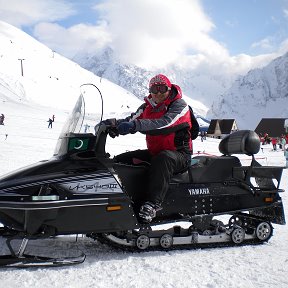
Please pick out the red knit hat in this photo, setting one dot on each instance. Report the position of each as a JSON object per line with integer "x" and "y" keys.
{"x": 160, "y": 79}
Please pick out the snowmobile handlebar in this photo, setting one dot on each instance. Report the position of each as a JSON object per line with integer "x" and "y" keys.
{"x": 110, "y": 125}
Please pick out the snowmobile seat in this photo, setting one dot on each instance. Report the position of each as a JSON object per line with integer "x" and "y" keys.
{"x": 178, "y": 177}
{"x": 181, "y": 177}
{"x": 218, "y": 169}
{"x": 240, "y": 142}
{"x": 213, "y": 169}
{"x": 184, "y": 175}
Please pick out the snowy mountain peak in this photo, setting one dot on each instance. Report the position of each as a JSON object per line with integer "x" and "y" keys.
{"x": 262, "y": 93}
{"x": 135, "y": 79}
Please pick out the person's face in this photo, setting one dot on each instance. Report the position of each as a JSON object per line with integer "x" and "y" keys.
{"x": 159, "y": 93}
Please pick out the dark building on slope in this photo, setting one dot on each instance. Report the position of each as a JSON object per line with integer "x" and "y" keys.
{"x": 274, "y": 127}
{"x": 219, "y": 128}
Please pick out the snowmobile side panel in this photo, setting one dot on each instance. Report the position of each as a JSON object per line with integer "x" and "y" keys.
{"x": 133, "y": 180}
{"x": 95, "y": 218}
{"x": 51, "y": 170}
{"x": 213, "y": 169}
{"x": 72, "y": 216}
{"x": 212, "y": 199}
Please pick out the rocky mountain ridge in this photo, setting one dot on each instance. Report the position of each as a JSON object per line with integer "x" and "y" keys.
{"x": 262, "y": 93}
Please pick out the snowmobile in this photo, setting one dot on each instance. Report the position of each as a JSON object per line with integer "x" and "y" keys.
{"x": 83, "y": 190}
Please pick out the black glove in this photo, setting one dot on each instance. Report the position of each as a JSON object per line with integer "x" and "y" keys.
{"x": 113, "y": 132}
{"x": 109, "y": 122}
{"x": 111, "y": 127}
{"x": 126, "y": 128}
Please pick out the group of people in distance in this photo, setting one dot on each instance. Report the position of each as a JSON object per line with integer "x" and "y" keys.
{"x": 280, "y": 141}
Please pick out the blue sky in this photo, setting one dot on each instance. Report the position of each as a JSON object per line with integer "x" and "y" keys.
{"x": 154, "y": 33}
{"x": 242, "y": 23}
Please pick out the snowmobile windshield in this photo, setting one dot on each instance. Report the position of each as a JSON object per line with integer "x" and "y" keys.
{"x": 87, "y": 112}
{"x": 74, "y": 121}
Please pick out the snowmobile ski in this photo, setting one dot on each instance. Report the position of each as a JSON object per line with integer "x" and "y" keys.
{"x": 10, "y": 261}
{"x": 20, "y": 259}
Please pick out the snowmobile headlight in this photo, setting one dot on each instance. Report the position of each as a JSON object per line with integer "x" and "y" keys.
{"x": 113, "y": 208}
{"x": 268, "y": 199}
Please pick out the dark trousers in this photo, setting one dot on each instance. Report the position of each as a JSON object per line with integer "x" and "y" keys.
{"x": 162, "y": 168}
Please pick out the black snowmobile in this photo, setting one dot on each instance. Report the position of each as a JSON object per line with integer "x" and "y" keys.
{"x": 82, "y": 190}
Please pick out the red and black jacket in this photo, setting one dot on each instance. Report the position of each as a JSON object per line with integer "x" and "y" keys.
{"x": 166, "y": 124}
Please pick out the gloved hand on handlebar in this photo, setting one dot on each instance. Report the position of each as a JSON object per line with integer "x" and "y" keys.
{"x": 109, "y": 122}
{"x": 125, "y": 128}
{"x": 113, "y": 132}
{"x": 110, "y": 127}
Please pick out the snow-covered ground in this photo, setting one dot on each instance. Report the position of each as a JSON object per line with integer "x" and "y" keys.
{"x": 29, "y": 140}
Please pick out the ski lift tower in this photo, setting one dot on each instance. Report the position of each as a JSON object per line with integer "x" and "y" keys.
{"x": 21, "y": 60}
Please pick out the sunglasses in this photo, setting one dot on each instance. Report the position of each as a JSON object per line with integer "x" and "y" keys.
{"x": 159, "y": 88}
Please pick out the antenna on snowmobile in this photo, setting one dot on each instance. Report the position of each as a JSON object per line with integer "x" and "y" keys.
{"x": 102, "y": 106}
{"x": 98, "y": 132}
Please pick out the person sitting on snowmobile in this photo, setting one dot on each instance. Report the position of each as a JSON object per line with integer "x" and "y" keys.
{"x": 165, "y": 119}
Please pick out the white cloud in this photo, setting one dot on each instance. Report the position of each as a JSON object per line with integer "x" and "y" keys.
{"x": 283, "y": 48}
{"x": 158, "y": 32}
{"x": 69, "y": 41}
{"x": 268, "y": 44}
{"x": 29, "y": 12}
{"x": 264, "y": 44}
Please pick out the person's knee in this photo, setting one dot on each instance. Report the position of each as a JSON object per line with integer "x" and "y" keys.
{"x": 164, "y": 158}
{"x": 166, "y": 154}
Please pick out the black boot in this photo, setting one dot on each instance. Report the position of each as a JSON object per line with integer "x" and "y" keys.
{"x": 148, "y": 211}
